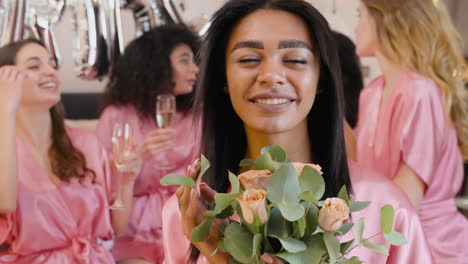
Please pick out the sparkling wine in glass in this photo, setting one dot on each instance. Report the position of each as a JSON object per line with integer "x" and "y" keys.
{"x": 121, "y": 147}
{"x": 165, "y": 113}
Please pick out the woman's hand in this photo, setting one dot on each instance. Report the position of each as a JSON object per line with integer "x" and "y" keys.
{"x": 130, "y": 167}
{"x": 11, "y": 87}
{"x": 269, "y": 259}
{"x": 192, "y": 206}
{"x": 157, "y": 141}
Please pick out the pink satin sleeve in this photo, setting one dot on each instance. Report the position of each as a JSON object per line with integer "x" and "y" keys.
{"x": 380, "y": 191}
{"x": 176, "y": 245}
{"x": 424, "y": 128}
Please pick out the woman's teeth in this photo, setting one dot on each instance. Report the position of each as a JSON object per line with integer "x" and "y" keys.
{"x": 272, "y": 101}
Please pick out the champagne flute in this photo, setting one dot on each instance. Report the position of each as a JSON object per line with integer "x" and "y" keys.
{"x": 121, "y": 147}
{"x": 165, "y": 113}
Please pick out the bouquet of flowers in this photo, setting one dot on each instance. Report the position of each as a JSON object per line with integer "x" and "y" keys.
{"x": 276, "y": 208}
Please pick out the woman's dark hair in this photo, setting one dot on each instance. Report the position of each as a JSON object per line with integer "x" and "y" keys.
{"x": 352, "y": 77}
{"x": 223, "y": 136}
{"x": 145, "y": 70}
{"x": 66, "y": 160}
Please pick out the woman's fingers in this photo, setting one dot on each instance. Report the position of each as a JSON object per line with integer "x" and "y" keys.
{"x": 206, "y": 192}
{"x": 269, "y": 259}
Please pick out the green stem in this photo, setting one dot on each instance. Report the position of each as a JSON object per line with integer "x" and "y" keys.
{"x": 349, "y": 250}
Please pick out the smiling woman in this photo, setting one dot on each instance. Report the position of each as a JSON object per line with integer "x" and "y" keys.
{"x": 50, "y": 171}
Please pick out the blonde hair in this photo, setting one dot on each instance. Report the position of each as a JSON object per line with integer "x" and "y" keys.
{"x": 419, "y": 35}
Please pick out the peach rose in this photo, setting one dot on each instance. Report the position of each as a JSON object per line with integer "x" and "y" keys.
{"x": 255, "y": 179}
{"x": 299, "y": 166}
{"x": 333, "y": 214}
{"x": 252, "y": 203}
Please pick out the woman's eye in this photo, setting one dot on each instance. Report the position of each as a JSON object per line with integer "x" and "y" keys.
{"x": 33, "y": 67}
{"x": 249, "y": 60}
{"x": 296, "y": 61}
{"x": 184, "y": 61}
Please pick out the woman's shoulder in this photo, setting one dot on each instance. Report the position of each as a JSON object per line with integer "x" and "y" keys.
{"x": 415, "y": 87}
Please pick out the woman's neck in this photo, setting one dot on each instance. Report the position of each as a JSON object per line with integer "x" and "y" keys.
{"x": 34, "y": 128}
{"x": 390, "y": 70}
{"x": 295, "y": 142}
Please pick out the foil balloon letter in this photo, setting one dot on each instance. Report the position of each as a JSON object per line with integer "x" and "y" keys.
{"x": 12, "y": 18}
{"x": 42, "y": 17}
{"x": 146, "y": 14}
{"x": 90, "y": 49}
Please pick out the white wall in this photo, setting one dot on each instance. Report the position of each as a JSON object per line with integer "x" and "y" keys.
{"x": 343, "y": 19}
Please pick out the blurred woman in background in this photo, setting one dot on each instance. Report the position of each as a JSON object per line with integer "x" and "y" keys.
{"x": 161, "y": 61}
{"x": 412, "y": 120}
{"x": 55, "y": 181}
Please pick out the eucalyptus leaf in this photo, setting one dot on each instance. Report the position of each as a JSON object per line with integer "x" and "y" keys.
{"x": 239, "y": 243}
{"x": 353, "y": 260}
{"x": 343, "y": 194}
{"x": 302, "y": 224}
{"x": 360, "y": 230}
{"x": 229, "y": 211}
{"x": 277, "y": 225}
{"x": 312, "y": 255}
{"x": 265, "y": 162}
{"x": 396, "y": 238}
{"x": 221, "y": 246}
{"x": 277, "y": 153}
{"x": 235, "y": 184}
{"x": 386, "y": 218}
{"x": 201, "y": 232}
{"x": 292, "y": 245}
{"x": 308, "y": 196}
{"x": 333, "y": 246}
{"x": 358, "y": 206}
{"x": 172, "y": 179}
{"x": 311, "y": 180}
{"x": 283, "y": 186}
{"x": 311, "y": 220}
{"x": 292, "y": 212}
{"x": 205, "y": 165}
{"x": 224, "y": 200}
{"x": 344, "y": 229}
{"x": 265, "y": 149}
{"x": 246, "y": 163}
{"x": 345, "y": 246}
{"x": 257, "y": 243}
{"x": 377, "y": 248}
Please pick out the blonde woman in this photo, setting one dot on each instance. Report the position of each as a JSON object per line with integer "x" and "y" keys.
{"x": 412, "y": 119}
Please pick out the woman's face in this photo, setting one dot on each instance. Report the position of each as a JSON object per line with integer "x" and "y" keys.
{"x": 366, "y": 33}
{"x": 272, "y": 71}
{"x": 184, "y": 69}
{"x": 42, "y": 85}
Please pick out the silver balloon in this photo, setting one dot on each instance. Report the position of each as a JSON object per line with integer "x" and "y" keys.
{"x": 115, "y": 30}
{"x": 146, "y": 14}
{"x": 173, "y": 13}
{"x": 12, "y": 17}
{"x": 42, "y": 16}
{"x": 151, "y": 13}
{"x": 92, "y": 49}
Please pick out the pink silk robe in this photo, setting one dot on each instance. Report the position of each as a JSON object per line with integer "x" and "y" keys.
{"x": 366, "y": 187}
{"x": 143, "y": 238}
{"x": 64, "y": 223}
{"x": 414, "y": 129}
